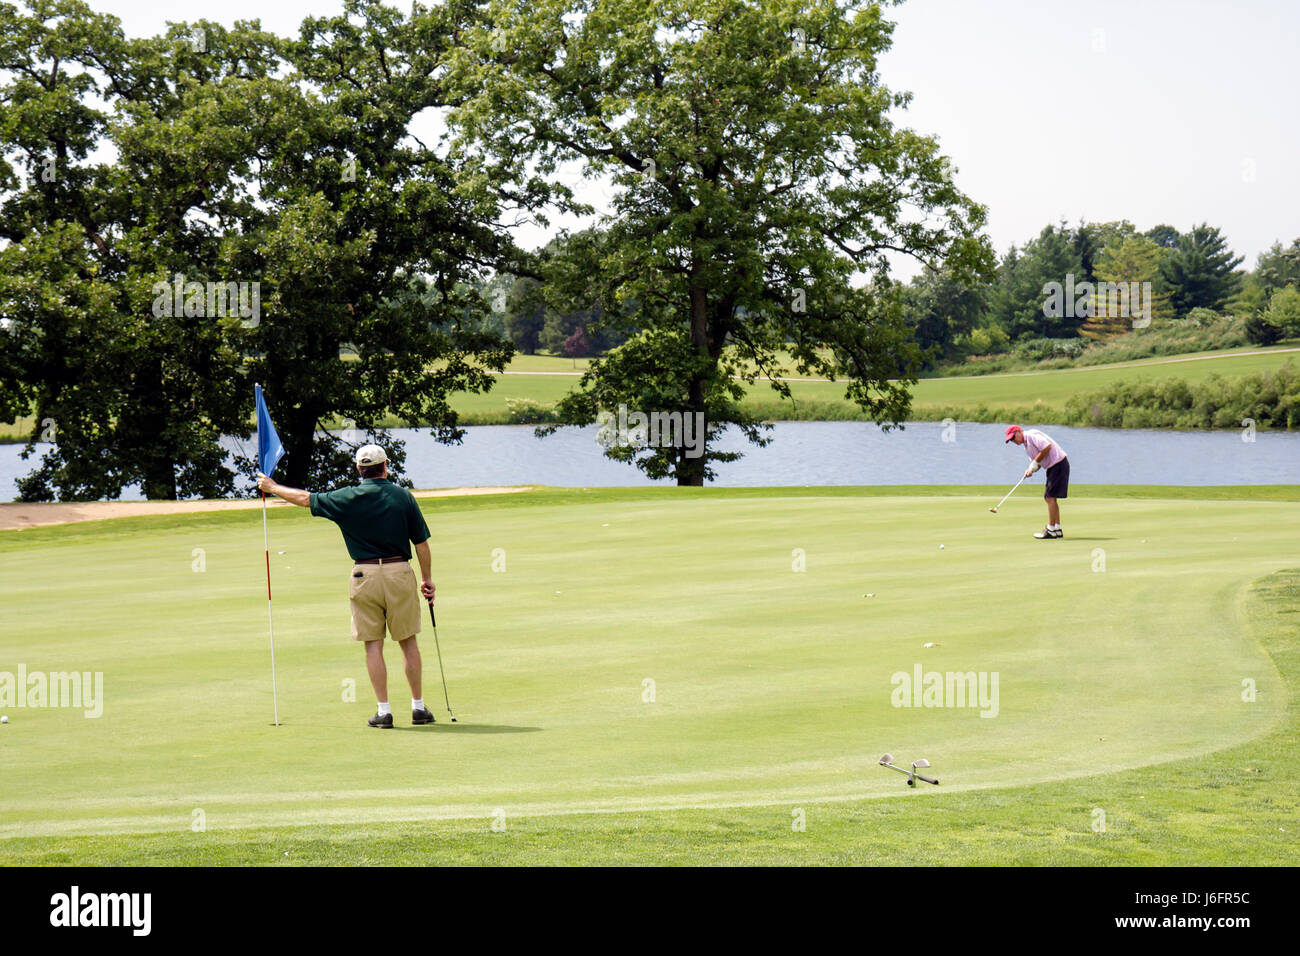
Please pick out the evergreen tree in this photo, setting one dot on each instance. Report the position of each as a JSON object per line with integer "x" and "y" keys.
{"x": 1200, "y": 271}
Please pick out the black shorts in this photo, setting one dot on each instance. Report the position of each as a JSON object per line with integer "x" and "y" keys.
{"x": 1058, "y": 480}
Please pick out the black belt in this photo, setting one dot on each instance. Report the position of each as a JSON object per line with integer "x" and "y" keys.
{"x": 379, "y": 560}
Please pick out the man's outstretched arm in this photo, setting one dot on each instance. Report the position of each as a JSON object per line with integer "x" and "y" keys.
{"x": 295, "y": 496}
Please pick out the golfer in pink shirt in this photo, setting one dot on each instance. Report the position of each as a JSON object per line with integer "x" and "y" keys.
{"x": 1045, "y": 453}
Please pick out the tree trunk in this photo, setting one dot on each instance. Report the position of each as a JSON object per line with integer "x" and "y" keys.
{"x": 690, "y": 471}
{"x": 149, "y": 428}
{"x": 159, "y": 482}
{"x": 298, "y": 437}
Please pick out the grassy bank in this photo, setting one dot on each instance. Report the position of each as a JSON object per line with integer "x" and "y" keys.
{"x": 1043, "y": 396}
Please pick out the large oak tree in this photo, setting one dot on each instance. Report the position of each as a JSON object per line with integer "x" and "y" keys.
{"x": 231, "y": 155}
{"x": 762, "y": 184}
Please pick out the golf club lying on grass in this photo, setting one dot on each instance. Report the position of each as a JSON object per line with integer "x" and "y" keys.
{"x": 912, "y": 776}
{"x": 434, "y": 621}
{"x": 995, "y": 508}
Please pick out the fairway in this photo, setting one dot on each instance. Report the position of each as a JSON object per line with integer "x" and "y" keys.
{"x": 546, "y": 380}
{"x": 636, "y": 651}
{"x": 543, "y": 380}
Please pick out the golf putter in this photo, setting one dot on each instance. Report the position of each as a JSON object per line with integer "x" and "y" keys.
{"x": 995, "y": 508}
{"x": 434, "y": 621}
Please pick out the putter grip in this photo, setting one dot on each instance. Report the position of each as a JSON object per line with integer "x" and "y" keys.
{"x": 433, "y": 620}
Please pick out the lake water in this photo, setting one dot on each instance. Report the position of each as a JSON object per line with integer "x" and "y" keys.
{"x": 840, "y": 453}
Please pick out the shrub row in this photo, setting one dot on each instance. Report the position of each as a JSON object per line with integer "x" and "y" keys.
{"x": 1271, "y": 399}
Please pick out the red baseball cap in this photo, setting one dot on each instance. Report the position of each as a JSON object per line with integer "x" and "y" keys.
{"x": 1011, "y": 431}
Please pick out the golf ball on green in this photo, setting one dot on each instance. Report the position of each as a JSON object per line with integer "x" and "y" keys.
{"x": 4, "y": 719}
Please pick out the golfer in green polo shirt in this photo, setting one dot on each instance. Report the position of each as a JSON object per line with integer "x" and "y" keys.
{"x": 379, "y": 521}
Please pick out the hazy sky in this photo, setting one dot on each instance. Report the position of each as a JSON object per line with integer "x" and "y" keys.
{"x": 1155, "y": 111}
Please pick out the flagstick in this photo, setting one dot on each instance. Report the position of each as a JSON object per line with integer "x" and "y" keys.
{"x": 270, "y": 623}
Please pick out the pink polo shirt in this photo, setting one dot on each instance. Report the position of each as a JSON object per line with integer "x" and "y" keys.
{"x": 1036, "y": 441}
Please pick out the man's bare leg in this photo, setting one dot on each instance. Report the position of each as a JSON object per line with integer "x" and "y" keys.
{"x": 377, "y": 669}
{"x": 414, "y": 666}
{"x": 1053, "y": 512}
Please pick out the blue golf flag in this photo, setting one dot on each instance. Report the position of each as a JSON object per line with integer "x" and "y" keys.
{"x": 269, "y": 453}
{"x": 269, "y": 448}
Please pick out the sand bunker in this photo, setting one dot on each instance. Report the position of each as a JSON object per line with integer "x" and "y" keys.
{"x": 16, "y": 516}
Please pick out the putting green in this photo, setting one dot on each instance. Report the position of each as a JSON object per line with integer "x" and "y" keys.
{"x": 769, "y": 685}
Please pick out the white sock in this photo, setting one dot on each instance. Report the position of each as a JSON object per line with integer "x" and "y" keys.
{"x": 1055, "y": 527}
{"x": 385, "y": 708}
{"x": 417, "y": 704}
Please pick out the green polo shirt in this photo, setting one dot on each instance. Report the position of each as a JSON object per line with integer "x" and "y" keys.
{"x": 378, "y": 518}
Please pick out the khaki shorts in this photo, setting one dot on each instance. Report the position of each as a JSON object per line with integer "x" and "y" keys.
{"x": 384, "y": 594}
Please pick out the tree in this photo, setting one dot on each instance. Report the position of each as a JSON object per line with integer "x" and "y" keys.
{"x": 558, "y": 327}
{"x": 378, "y": 240}
{"x": 576, "y": 345}
{"x": 1132, "y": 266}
{"x": 1199, "y": 271}
{"x": 15, "y": 391}
{"x": 1164, "y": 236}
{"x": 942, "y": 311}
{"x": 1278, "y": 268}
{"x": 484, "y": 304}
{"x": 1279, "y": 320}
{"x": 762, "y": 185}
{"x": 1021, "y": 300}
{"x": 130, "y": 394}
{"x": 1090, "y": 240}
{"x": 1284, "y": 311}
{"x": 559, "y": 316}
{"x": 285, "y": 166}
{"x": 525, "y": 315}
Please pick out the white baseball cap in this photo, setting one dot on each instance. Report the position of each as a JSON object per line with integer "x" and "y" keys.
{"x": 371, "y": 455}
